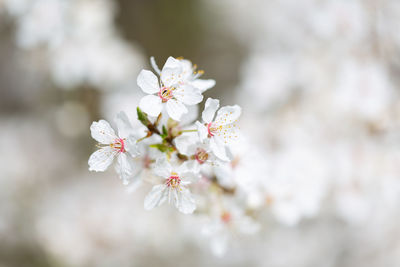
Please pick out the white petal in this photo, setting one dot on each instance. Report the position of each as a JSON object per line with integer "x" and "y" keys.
{"x": 228, "y": 133}
{"x": 182, "y": 143}
{"x": 210, "y": 108}
{"x": 124, "y": 168}
{"x": 228, "y": 115}
{"x": 148, "y": 82}
{"x": 187, "y": 69}
{"x": 190, "y": 177}
{"x": 229, "y": 153}
{"x": 171, "y": 73}
{"x": 170, "y": 77}
{"x": 162, "y": 168}
{"x": 156, "y": 196}
{"x": 203, "y": 85}
{"x": 102, "y": 132}
{"x": 123, "y": 125}
{"x": 184, "y": 201}
{"x": 188, "y": 166}
{"x": 201, "y": 131}
{"x": 151, "y": 104}
{"x": 136, "y": 177}
{"x": 131, "y": 146}
{"x": 176, "y": 109}
{"x": 101, "y": 159}
{"x": 218, "y": 148}
{"x": 224, "y": 174}
{"x": 172, "y": 63}
{"x": 191, "y": 116}
{"x": 188, "y": 95}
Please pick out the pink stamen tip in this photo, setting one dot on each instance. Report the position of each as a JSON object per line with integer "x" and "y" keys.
{"x": 173, "y": 181}
{"x": 209, "y": 130}
{"x": 122, "y": 149}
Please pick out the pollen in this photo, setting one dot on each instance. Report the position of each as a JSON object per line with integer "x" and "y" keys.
{"x": 201, "y": 155}
{"x": 166, "y": 93}
{"x": 173, "y": 181}
{"x": 119, "y": 144}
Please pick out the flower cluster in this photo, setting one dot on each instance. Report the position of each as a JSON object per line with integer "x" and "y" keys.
{"x": 176, "y": 155}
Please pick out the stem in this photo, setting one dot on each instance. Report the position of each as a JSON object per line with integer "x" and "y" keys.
{"x": 149, "y": 133}
{"x": 153, "y": 129}
{"x": 141, "y": 139}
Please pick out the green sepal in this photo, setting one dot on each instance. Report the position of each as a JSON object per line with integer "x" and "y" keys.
{"x": 142, "y": 117}
{"x": 164, "y": 132}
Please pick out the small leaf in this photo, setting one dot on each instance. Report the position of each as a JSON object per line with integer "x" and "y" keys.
{"x": 164, "y": 130}
{"x": 162, "y": 147}
{"x": 164, "y": 133}
{"x": 142, "y": 117}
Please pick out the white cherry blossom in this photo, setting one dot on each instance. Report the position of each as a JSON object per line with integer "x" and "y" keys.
{"x": 170, "y": 91}
{"x": 174, "y": 187}
{"x": 195, "y": 150}
{"x": 221, "y": 130}
{"x": 143, "y": 164}
{"x": 225, "y": 224}
{"x": 121, "y": 146}
{"x": 191, "y": 76}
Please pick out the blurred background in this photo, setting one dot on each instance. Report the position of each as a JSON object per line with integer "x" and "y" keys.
{"x": 318, "y": 81}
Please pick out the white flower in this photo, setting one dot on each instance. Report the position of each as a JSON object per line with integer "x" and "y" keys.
{"x": 170, "y": 91}
{"x": 112, "y": 145}
{"x": 221, "y": 130}
{"x": 194, "y": 149}
{"x": 173, "y": 188}
{"x": 225, "y": 224}
{"x": 190, "y": 75}
{"x": 142, "y": 165}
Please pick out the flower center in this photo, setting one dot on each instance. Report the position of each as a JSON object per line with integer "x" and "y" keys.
{"x": 201, "y": 155}
{"x": 119, "y": 144}
{"x": 212, "y": 129}
{"x": 165, "y": 94}
{"x": 226, "y": 217}
{"x": 173, "y": 181}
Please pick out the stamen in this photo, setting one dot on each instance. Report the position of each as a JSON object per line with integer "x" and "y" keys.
{"x": 173, "y": 181}
{"x": 201, "y": 155}
{"x": 210, "y": 129}
{"x": 165, "y": 94}
{"x": 119, "y": 144}
{"x": 197, "y": 74}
